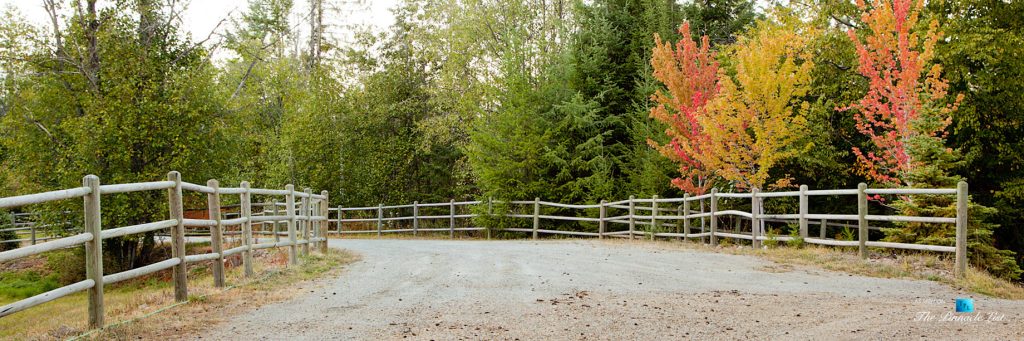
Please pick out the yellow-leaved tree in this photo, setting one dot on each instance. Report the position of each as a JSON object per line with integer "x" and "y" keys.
{"x": 757, "y": 117}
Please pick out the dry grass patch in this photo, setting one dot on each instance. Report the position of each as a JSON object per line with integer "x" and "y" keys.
{"x": 880, "y": 263}
{"x": 426, "y": 235}
{"x": 145, "y": 309}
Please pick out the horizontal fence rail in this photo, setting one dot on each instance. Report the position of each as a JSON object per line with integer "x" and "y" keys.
{"x": 654, "y": 221}
{"x": 303, "y": 213}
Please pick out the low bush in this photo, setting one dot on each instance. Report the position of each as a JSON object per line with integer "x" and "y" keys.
{"x": 67, "y": 265}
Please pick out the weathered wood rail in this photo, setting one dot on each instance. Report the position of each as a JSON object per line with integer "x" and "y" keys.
{"x": 682, "y": 216}
{"x": 306, "y": 223}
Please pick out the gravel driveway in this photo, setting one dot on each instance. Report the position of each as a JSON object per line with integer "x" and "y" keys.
{"x": 585, "y": 290}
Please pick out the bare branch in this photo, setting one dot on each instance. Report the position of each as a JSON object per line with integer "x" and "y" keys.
{"x": 846, "y": 22}
{"x": 241, "y": 83}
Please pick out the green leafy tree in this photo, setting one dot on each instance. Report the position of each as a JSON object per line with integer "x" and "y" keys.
{"x": 395, "y": 141}
{"x": 266, "y": 84}
{"x": 117, "y": 93}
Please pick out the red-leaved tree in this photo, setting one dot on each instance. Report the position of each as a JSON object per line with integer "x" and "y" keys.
{"x": 905, "y": 106}
{"x": 690, "y": 74}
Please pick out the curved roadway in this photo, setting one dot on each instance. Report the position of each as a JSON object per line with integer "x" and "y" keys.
{"x": 441, "y": 290}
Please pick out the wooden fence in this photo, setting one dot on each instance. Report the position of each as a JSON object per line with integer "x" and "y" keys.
{"x": 310, "y": 216}
{"x": 26, "y": 228}
{"x": 683, "y": 216}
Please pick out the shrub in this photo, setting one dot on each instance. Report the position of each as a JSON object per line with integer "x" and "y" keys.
{"x": 67, "y": 265}
{"x": 773, "y": 238}
{"x": 845, "y": 234}
{"x": 797, "y": 241}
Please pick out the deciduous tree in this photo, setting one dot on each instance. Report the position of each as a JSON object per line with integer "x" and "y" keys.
{"x": 689, "y": 72}
{"x": 905, "y": 106}
{"x": 757, "y": 117}
{"x": 905, "y": 113}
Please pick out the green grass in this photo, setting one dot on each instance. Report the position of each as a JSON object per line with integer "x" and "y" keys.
{"x": 16, "y": 285}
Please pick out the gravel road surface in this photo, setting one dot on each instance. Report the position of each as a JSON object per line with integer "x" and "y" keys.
{"x": 593, "y": 290}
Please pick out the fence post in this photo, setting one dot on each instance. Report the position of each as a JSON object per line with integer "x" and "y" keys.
{"x": 216, "y": 232}
{"x": 380, "y": 219}
{"x": 94, "y": 250}
{"x": 686, "y": 216}
{"x": 679, "y": 223}
{"x": 177, "y": 237}
{"x": 262, "y": 229}
{"x": 451, "y": 219}
{"x": 755, "y": 221}
{"x": 325, "y": 212}
{"x": 415, "y": 217}
{"x": 32, "y": 228}
{"x": 289, "y": 207}
{"x": 536, "y": 216}
{"x": 341, "y": 215}
{"x": 246, "y": 208}
{"x": 306, "y": 222}
{"x": 862, "y": 220}
{"x": 961, "y": 229}
{"x": 803, "y": 211}
{"x": 490, "y": 215}
{"x": 714, "y": 219}
{"x": 314, "y": 225}
{"x": 654, "y": 215}
{"x": 824, "y": 226}
{"x": 313, "y": 211}
{"x": 632, "y": 211}
{"x": 602, "y": 224}
{"x": 277, "y": 238}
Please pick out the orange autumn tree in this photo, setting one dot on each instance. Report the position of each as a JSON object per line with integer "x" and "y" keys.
{"x": 690, "y": 74}
{"x": 757, "y": 118}
{"x": 905, "y": 106}
{"x": 904, "y": 114}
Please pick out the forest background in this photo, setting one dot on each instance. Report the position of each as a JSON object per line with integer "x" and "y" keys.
{"x": 517, "y": 99}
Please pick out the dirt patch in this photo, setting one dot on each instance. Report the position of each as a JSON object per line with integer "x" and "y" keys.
{"x": 36, "y": 262}
{"x": 776, "y": 268}
{"x": 711, "y": 315}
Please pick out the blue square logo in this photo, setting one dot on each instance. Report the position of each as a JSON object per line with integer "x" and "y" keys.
{"x": 964, "y": 305}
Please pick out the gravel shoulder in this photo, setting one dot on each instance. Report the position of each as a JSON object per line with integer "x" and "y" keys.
{"x": 588, "y": 289}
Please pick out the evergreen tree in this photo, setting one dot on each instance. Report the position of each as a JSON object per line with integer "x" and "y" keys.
{"x": 720, "y": 20}
{"x": 981, "y": 56}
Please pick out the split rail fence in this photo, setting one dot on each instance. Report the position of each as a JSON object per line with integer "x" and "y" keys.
{"x": 683, "y": 215}
{"x": 26, "y": 229}
{"x": 306, "y": 224}
{"x": 303, "y": 213}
